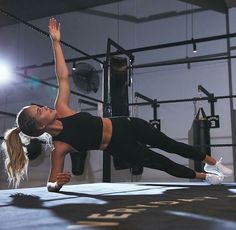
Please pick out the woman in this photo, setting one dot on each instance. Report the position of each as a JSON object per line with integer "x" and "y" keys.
{"x": 123, "y": 137}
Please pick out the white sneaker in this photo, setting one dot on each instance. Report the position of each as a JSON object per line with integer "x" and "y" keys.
{"x": 214, "y": 179}
{"x": 218, "y": 169}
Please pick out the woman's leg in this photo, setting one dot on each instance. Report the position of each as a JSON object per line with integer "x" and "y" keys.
{"x": 163, "y": 163}
{"x": 144, "y": 156}
{"x": 160, "y": 162}
{"x": 147, "y": 134}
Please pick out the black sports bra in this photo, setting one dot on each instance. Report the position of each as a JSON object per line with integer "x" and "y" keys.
{"x": 82, "y": 131}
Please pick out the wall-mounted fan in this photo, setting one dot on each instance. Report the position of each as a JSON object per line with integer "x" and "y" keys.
{"x": 86, "y": 77}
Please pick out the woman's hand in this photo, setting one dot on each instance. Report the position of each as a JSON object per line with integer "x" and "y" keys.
{"x": 54, "y": 30}
{"x": 63, "y": 178}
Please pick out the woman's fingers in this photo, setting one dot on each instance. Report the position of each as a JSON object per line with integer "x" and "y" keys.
{"x": 63, "y": 177}
{"x": 54, "y": 29}
{"x": 50, "y": 24}
{"x": 59, "y": 26}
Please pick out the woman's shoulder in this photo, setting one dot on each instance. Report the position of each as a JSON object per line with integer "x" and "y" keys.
{"x": 64, "y": 111}
{"x": 82, "y": 116}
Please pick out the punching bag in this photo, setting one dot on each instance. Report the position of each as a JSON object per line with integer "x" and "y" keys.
{"x": 199, "y": 137}
{"x": 119, "y": 86}
{"x": 78, "y": 162}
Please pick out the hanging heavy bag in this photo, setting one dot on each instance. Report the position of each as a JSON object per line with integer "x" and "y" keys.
{"x": 201, "y": 136}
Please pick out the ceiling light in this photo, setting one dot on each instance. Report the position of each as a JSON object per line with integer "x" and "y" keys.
{"x": 74, "y": 67}
{"x": 194, "y": 46}
{"x": 5, "y": 73}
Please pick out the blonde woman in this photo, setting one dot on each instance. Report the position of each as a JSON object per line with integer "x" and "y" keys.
{"x": 124, "y": 137}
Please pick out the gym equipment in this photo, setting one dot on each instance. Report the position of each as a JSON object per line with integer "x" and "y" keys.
{"x": 85, "y": 77}
{"x": 199, "y": 137}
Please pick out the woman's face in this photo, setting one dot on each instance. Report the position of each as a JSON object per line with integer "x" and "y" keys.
{"x": 44, "y": 116}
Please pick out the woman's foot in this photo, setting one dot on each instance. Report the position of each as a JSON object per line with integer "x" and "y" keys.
{"x": 218, "y": 169}
{"x": 214, "y": 179}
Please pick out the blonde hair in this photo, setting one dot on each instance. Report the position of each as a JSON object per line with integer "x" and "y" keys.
{"x": 16, "y": 159}
{"x": 14, "y": 146}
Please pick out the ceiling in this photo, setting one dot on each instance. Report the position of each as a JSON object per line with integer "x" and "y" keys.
{"x": 34, "y": 9}
{"x": 217, "y": 5}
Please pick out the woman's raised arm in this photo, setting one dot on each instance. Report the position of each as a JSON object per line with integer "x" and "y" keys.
{"x": 61, "y": 69}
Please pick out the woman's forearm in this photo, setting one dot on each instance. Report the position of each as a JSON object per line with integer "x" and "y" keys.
{"x": 60, "y": 64}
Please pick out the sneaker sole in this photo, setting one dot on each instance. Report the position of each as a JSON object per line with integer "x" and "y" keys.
{"x": 217, "y": 172}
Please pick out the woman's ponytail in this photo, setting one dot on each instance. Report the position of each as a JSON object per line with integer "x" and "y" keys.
{"x": 16, "y": 161}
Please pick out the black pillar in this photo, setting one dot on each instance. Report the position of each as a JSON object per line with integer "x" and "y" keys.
{"x": 119, "y": 95}
{"x": 106, "y": 171}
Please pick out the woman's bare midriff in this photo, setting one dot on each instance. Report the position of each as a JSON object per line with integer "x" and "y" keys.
{"x": 107, "y": 133}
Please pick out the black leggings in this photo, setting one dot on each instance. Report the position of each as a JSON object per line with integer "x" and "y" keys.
{"x": 131, "y": 138}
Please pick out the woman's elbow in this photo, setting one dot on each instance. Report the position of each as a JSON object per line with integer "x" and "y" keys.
{"x": 64, "y": 75}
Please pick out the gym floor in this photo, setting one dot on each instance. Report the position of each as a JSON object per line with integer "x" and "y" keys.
{"x": 121, "y": 206}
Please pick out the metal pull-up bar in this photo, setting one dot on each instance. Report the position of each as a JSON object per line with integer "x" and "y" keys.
{"x": 211, "y": 98}
{"x": 155, "y": 47}
{"x": 155, "y": 122}
{"x": 183, "y": 100}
